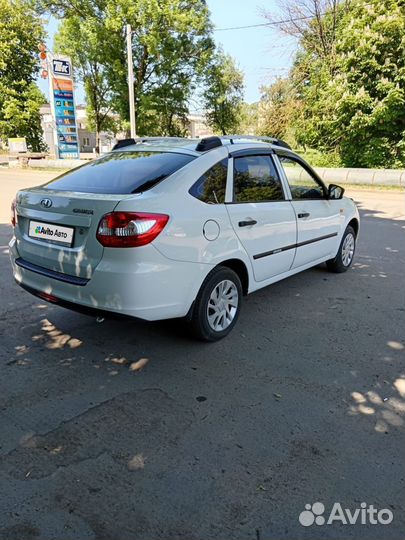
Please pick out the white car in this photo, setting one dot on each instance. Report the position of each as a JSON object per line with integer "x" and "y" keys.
{"x": 162, "y": 228}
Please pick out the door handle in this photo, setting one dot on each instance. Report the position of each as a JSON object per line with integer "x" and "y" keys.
{"x": 247, "y": 223}
{"x": 304, "y": 214}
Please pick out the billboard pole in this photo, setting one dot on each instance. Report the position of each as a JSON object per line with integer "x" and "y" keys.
{"x": 131, "y": 82}
{"x": 53, "y": 111}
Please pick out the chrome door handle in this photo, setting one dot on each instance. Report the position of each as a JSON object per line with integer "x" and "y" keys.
{"x": 304, "y": 214}
{"x": 247, "y": 223}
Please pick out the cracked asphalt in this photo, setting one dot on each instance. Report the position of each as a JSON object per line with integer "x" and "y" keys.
{"x": 131, "y": 430}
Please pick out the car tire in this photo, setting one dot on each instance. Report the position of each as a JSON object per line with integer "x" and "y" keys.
{"x": 345, "y": 255}
{"x": 217, "y": 305}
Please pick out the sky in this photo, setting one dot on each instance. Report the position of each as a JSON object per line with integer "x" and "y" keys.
{"x": 262, "y": 53}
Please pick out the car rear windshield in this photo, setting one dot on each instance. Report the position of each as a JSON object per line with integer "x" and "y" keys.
{"x": 121, "y": 172}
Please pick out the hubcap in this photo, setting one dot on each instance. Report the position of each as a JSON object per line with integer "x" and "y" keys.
{"x": 348, "y": 249}
{"x": 222, "y": 305}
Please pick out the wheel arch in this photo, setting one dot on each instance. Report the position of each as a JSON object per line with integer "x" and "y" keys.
{"x": 354, "y": 223}
{"x": 240, "y": 268}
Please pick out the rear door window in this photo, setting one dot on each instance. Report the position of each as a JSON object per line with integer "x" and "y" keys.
{"x": 121, "y": 172}
{"x": 255, "y": 179}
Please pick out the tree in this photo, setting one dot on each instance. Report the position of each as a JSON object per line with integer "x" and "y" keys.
{"x": 21, "y": 31}
{"x": 314, "y": 22}
{"x": 359, "y": 108}
{"x": 348, "y": 78}
{"x": 277, "y": 107}
{"x": 171, "y": 45}
{"x": 249, "y": 118}
{"x": 223, "y": 94}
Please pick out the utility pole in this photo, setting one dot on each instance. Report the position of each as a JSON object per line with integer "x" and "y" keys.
{"x": 131, "y": 82}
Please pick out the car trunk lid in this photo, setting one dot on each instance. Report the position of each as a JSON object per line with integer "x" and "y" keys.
{"x": 80, "y": 211}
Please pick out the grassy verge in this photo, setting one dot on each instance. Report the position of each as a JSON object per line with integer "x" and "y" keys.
{"x": 30, "y": 170}
{"x": 47, "y": 169}
{"x": 319, "y": 159}
{"x": 372, "y": 187}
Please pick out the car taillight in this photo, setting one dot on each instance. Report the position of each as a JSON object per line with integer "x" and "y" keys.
{"x": 130, "y": 229}
{"x": 13, "y": 213}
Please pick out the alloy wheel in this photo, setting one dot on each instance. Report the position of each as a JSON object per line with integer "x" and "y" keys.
{"x": 348, "y": 249}
{"x": 222, "y": 305}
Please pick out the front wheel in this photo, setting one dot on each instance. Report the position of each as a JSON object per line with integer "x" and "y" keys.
{"x": 345, "y": 255}
{"x": 217, "y": 306}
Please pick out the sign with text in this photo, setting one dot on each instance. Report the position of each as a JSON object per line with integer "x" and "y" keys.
{"x": 61, "y": 67}
{"x": 63, "y": 108}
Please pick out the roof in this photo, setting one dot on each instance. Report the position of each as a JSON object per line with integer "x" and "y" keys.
{"x": 197, "y": 146}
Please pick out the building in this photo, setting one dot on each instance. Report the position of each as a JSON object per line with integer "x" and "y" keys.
{"x": 197, "y": 128}
{"x": 87, "y": 139}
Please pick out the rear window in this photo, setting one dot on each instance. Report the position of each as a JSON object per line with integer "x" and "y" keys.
{"x": 121, "y": 172}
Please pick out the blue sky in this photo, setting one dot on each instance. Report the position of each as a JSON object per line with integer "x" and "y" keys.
{"x": 262, "y": 53}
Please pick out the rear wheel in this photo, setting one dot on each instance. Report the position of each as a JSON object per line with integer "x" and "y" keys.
{"x": 216, "y": 308}
{"x": 345, "y": 255}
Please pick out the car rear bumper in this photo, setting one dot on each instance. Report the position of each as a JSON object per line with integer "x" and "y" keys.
{"x": 59, "y": 276}
{"x": 138, "y": 282}
{"x": 73, "y": 306}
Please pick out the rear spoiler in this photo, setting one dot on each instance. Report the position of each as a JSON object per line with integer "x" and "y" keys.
{"x": 123, "y": 142}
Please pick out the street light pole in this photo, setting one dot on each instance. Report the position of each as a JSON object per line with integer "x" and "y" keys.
{"x": 131, "y": 82}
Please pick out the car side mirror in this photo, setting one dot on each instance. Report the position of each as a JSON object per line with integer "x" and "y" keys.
{"x": 335, "y": 192}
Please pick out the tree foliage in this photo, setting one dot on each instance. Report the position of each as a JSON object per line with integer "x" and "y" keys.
{"x": 277, "y": 108}
{"x": 223, "y": 94}
{"x": 21, "y": 31}
{"x": 314, "y": 23}
{"x": 351, "y": 94}
{"x": 171, "y": 45}
{"x": 249, "y": 118}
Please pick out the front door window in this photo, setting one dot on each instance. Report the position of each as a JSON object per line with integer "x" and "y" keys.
{"x": 302, "y": 184}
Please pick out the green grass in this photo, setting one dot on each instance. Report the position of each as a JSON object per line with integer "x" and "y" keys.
{"x": 372, "y": 187}
{"x": 47, "y": 169}
{"x": 34, "y": 169}
{"x": 319, "y": 159}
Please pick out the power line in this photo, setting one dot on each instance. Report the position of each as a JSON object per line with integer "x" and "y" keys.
{"x": 273, "y": 23}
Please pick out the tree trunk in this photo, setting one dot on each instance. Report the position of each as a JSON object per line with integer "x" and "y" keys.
{"x": 98, "y": 138}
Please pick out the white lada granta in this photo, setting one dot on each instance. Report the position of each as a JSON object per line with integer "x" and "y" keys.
{"x": 165, "y": 227}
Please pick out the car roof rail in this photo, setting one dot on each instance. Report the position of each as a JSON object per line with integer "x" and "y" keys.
{"x": 123, "y": 142}
{"x": 208, "y": 143}
{"x": 155, "y": 139}
{"x": 162, "y": 138}
{"x": 271, "y": 140}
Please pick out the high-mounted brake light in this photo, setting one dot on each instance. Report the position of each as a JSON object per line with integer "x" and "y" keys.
{"x": 13, "y": 213}
{"x": 130, "y": 229}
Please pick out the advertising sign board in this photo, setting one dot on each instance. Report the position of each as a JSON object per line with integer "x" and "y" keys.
{"x": 63, "y": 108}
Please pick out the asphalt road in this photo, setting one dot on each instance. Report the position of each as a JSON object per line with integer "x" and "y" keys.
{"x": 303, "y": 402}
